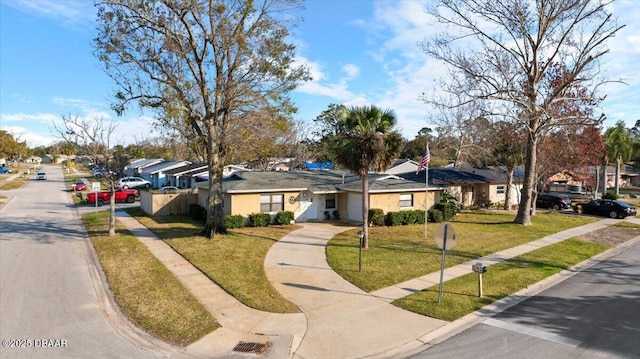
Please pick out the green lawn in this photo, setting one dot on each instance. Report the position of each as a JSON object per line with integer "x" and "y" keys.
{"x": 397, "y": 254}
{"x": 235, "y": 261}
{"x": 460, "y": 295}
{"x": 145, "y": 290}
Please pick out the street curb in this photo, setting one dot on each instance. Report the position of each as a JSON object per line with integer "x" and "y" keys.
{"x": 458, "y": 326}
{"x": 106, "y": 301}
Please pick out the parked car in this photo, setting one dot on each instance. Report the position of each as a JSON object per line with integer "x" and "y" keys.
{"x": 607, "y": 207}
{"x": 169, "y": 189}
{"x": 133, "y": 182}
{"x": 555, "y": 201}
{"x": 4, "y": 170}
{"x": 79, "y": 186}
{"x": 41, "y": 175}
{"x": 121, "y": 195}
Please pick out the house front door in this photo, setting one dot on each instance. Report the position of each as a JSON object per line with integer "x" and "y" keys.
{"x": 308, "y": 207}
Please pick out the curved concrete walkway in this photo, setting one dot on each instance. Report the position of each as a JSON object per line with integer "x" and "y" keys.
{"x": 343, "y": 320}
{"x": 239, "y": 322}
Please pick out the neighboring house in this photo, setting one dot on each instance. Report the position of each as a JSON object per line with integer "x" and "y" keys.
{"x": 472, "y": 186}
{"x": 228, "y": 170}
{"x": 316, "y": 195}
{"x": 402, "y": 166}
{"x": 33, "y": 159}
{"x": 186, "y": 176}
{"x": 135, "y": 167}
{"x": 156, "y": 174}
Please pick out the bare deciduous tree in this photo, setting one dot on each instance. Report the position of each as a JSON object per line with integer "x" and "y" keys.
{"x": 209, "y": 63}
{"x": 93, "y": 137}
{"x": 510, "y": 49}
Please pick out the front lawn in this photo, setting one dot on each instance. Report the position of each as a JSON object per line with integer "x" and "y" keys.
{"x": 397, "y": 254}
{"x": 460, "y": 295}
{"x": 145, "y": 290}
{"x": 235, "y": 261}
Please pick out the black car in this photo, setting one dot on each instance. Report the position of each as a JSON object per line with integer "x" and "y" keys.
{"x": 555, "y": 201}
{"x": 607, "y": 208}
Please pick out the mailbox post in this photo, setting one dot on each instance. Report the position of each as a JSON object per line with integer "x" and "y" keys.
{"x": 361, "y": 236}
{"x": 479, "y": 268}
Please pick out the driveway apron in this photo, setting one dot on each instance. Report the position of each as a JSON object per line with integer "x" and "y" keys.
{"x": 343, "y": 321}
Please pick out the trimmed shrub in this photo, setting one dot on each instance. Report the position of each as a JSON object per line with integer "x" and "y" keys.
{"x": 420, "y": 218}
{"x": 447, "y": 209}
{"x": 260, "y": 219}
{"x": 410, "y": 217}
{"x": 285, "y": 217}
{"x": 435, "y": 215}
{"x": 336, "y": 214}
{"x": 610, "y": 195}
{"x": 376, "y": 216}
{"x": 394, "y": 218}
{"x": 233, "y": 221}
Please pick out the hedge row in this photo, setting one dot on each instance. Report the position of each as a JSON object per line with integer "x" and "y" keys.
{"x": 439, "y": 213}
{"x": 198, "y": 212}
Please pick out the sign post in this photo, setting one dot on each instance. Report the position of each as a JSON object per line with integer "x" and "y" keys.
{"x": 445, "y": 237}
{"x": 95, "y": 187}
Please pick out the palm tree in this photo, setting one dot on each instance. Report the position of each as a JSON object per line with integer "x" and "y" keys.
{"x": 620, "y": 146}
{"x": 367, "y": 141}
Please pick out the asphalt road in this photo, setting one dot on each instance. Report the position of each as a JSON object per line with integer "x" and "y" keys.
{"x": 52, "y": 301}
{"x": 593, "y": 314}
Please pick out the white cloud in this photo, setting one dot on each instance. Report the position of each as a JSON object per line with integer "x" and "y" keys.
{"x": 351, "y": 70}
{"x": 73, "y": 13}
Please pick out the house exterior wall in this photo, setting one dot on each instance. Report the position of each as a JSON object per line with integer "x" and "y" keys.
{"x": 390, "y": 202}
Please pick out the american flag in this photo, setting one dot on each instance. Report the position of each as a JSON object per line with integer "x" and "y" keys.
{"x": 425, "y": 160}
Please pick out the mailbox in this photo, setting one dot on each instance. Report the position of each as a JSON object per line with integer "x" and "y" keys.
{"x": 478, "y": 267}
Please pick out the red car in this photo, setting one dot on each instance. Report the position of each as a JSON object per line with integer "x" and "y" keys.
{"x": 121, "y": 195}
{"x": 79, "y": 186}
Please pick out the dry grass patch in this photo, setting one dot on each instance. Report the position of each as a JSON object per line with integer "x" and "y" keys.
{"x": 146, "y": 292}
{"x": 234, "y": 261}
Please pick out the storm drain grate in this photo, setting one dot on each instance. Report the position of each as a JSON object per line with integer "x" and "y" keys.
{"x": 249, "y": 347}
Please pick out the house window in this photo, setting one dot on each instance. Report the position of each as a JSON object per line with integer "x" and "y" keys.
{"x": 406, "y": 200}
{"x": 330, "y": 202}
{"x": 271, "y": 202}
{"x": 500, "y": 189}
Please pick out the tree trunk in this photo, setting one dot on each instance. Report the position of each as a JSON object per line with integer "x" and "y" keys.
{"x": 215, "y": 210}
{"x": 597, "y": 186}
{"x": 365, "y": 211}
{"x": 524, "y": 210}
{"x": 604, "y": 180}
{"x": 507, "y": 191}
{"x": 617, "y": 179}
{"x": 112, "y": 210}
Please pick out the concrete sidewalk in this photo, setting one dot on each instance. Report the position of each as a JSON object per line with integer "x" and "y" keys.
{"x": 338, "y": 320}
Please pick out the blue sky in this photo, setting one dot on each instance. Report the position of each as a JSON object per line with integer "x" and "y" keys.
{"x": 360, "y": 52}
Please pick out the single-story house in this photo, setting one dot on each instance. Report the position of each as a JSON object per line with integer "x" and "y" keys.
{"x": 186, "y": 176}
{"x": 472, "y": 186}
{"x": 317, "y": 195}
{"x": 156, "y": 173}
{"x": 135, "y": 167}
{"x": 402, "y": 166}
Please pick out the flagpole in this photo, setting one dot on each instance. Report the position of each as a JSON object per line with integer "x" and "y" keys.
{"x": 426, "y": 199}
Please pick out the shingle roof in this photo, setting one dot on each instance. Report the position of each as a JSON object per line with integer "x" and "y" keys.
{"x": 185, "y": 168}
{"x": 460, "y": 176}
{"x": 321, "y": 181}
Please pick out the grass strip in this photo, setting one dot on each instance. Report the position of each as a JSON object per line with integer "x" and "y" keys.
{"x": 460, "y": 295}
{"x": 234, "y": 261}
{"x": 397, "y": 254}
{"x": 145, "y": 290}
